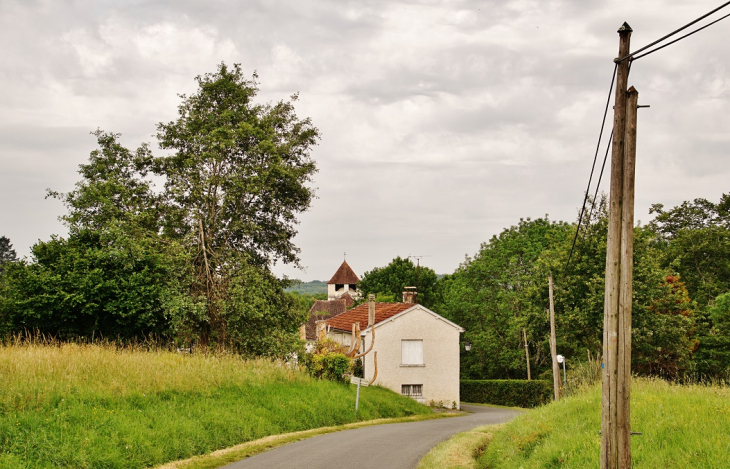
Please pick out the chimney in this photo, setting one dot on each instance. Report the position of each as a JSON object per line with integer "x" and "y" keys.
{"x": 410, "y": 296}
{"x": 371, "y": 309}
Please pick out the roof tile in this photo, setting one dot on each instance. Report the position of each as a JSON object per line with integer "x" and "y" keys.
{"x": 344, "y": 275}
{"x": 383, "y": 311}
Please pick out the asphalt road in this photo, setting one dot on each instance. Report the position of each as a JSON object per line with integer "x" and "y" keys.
{"x": 395, "y": 445}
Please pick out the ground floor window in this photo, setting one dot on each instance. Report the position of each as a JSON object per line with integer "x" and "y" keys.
{"x": 412, "y": 390}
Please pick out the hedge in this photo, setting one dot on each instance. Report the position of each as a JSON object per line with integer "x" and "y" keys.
{"x": 507, "y": 392}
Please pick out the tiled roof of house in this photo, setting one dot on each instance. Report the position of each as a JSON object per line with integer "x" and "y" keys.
{"x": 359, "y": 314}
{"x": 344, "y": 275}
{"x": 349, "y": 301}
{"x": 320, "y": 310}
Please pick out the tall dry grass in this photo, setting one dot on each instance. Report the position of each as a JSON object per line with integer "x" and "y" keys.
{"x": 99, "y": 405}
{"x": 33, "y": 373}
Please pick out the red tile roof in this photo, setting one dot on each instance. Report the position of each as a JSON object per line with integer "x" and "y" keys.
{"x": 359, "y": 314}
{"x": 349, "y": 301}
{"x": 344, "y": 275}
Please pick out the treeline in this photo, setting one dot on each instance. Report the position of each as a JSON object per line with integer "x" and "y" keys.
{"x": 681, "y": 307}
{"x": 189, "y": 260}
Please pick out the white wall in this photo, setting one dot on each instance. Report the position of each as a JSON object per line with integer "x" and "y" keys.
{"x": 439, "y": 374}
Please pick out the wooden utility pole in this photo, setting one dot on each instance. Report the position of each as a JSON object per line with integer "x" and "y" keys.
{"x": 615, "y": 413}
{"x": 553, "y": 346}
{"x": 527, "y": 354}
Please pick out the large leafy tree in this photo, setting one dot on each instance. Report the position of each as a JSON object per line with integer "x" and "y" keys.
{"x": 500, "y": 291}
{"x": 237, "y": 180}
{"x": 695, "y": 242}
{"x": 114, "y": 275}
{"x": 389, "y": 282}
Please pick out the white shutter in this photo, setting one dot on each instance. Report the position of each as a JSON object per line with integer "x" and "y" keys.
{"x": 412, "y": 352}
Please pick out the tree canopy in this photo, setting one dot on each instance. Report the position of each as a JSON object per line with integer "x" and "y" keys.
{"x": 389, "y": 282}
{"x": 190, "y": 260}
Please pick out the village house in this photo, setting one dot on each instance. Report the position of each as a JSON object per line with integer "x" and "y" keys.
{"x": 417, "y": 350}
{"x": 341, "y": 295}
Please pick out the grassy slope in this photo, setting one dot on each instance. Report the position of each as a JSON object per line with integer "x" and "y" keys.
{"x": 682, "y": 426}
{"x": 91, "y": 406}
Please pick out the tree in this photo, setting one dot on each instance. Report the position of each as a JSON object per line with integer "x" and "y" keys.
{"x": 95, "y": 283}
{"x": 7, "y": 253}
{"x": 498, "y": 292}
{"x": 695, "y": 241}
{"x": 238, "y": 179}
{"x": 388, "y": 282}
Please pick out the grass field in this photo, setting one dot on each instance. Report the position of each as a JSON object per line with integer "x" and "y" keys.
{"x": 98, "y": 406}
{"x": 682, "y": 427}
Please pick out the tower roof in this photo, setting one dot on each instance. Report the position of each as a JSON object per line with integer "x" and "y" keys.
{"x": 344, "y": 275}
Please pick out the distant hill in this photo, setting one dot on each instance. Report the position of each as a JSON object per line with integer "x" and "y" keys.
{"x": 309, "y": 288}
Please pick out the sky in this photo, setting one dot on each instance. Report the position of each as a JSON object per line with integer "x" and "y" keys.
{"x": 442, "y": 122}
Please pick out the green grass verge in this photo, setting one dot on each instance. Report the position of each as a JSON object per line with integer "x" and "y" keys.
{"x": 93, "y": 406}
{"x": 461, "y": 451}
{"x": 682, "y": 426}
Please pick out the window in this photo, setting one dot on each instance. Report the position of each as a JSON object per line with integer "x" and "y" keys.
{"x": 412, "y": 352}
{"x": 412, "y": 390}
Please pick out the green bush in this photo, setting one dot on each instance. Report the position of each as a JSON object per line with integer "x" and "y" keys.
{"x": 328, "y": 361}
{"x": 507, "y": 392}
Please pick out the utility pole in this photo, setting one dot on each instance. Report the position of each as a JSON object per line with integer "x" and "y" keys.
{"x": 615, "y": 412}
{"x": 527, "y": 354}
{"x": 553, "y": 346}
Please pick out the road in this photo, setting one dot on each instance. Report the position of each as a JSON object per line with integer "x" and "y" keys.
{"x": 395, "y": 445}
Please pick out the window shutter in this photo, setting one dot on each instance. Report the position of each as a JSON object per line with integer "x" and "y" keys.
{"x": 412, "y": 352}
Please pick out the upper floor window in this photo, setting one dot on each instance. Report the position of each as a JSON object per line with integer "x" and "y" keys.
{"x": 411, "y": 352}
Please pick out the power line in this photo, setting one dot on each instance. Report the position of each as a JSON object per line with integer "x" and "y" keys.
{"x": 636, "y": 57}
{"x": 675, "y": 32}
{"x": 593, "y": 167}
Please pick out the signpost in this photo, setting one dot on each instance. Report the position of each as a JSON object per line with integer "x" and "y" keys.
{"x": 359, "y": 382}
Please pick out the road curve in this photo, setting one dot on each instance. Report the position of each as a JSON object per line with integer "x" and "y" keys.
{"x": 395, "y": 445}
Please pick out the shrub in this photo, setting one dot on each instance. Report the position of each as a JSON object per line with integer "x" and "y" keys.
{"x": 507, "y": 392}
{"x": 328, "y": 361}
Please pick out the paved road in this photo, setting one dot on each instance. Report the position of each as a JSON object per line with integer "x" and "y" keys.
{"x": 395, "y": 445}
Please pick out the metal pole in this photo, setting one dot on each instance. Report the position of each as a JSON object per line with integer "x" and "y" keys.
{"x": 357, "y": 396}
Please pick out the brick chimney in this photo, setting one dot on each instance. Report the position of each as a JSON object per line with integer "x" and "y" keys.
{"x": 410, "y": 296}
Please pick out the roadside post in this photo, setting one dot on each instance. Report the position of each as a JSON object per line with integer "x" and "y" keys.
{"x": 359, "y": 382}
{"x": 561, "y": 359}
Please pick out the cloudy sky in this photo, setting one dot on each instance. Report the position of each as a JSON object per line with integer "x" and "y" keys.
{"x": 442, "y": 122}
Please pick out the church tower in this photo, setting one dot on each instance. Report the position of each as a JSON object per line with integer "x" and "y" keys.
{"x": 343, "y": 282}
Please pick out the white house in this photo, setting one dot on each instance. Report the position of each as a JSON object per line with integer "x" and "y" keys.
{"x": 417, "y": 350}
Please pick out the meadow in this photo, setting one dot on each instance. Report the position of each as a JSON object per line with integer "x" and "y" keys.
{"x": 71, "y": 405}
{"x": 681, "y": 426}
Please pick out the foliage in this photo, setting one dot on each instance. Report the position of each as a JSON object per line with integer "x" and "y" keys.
{"x": 712, "y": 357}
{"x": 328, "y": 361}
{"x": 500, "y": 291}
{"x": 695, "y": 242}
{"x": 507, "y": 392}
{"x": 316, "y": 288}
{"x": 7, "y": 253}
{"x": 80, "y": 406}
{"x": 192, "y": 261}
{"x": 661, "y": 337}
{"x": 389, "y": 282}
{"x": 95, "y": 283}
{"x": 233, "y": 188}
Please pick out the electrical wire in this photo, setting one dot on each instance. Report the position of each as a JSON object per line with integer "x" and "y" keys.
{"x": 637, "y": 57}
{"x": 593, "y": 167}
{"x": 675, "y": 32}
